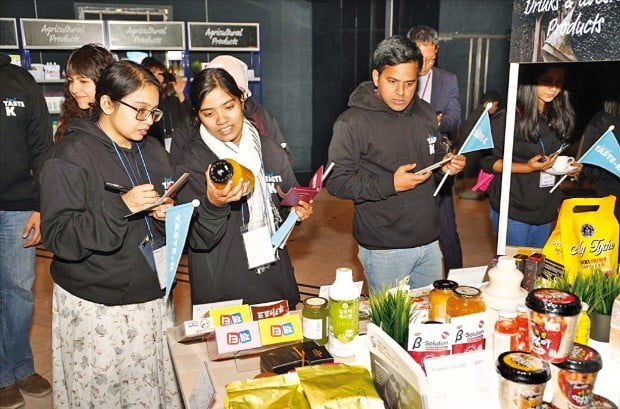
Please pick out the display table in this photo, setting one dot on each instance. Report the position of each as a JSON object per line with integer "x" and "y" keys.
{"x": 189, "y": 360}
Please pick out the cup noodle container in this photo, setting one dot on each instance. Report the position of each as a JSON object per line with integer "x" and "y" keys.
{"x": 552, "y": 320}
{"x": 523, "y": 380}
{"x": 573, "y": 379}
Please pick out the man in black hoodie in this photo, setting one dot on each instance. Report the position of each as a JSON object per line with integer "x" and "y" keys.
{"x": 386, "y": 135}
{"x": 25, "y": 136}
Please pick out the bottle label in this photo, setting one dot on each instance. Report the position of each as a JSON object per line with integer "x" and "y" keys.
{"x": 343, "y": 325}
{"x": 503, "y": 342}
{"x": 312, "y": 328}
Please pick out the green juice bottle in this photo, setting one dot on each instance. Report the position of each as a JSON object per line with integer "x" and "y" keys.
{"x": 343, "y": 314}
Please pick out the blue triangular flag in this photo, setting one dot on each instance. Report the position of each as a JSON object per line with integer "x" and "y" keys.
{"x": 605, "y": 153}
{"x": 480, "y": 136}
{"x": 177, "y": 226}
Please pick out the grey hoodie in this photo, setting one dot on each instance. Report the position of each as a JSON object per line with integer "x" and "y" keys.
{"x": 370, "y": 141}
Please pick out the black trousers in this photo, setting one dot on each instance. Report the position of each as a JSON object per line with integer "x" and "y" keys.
{"x": 448, "y": 236}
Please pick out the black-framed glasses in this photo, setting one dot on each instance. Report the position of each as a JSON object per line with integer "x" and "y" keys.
{"x": 143, "y": 114}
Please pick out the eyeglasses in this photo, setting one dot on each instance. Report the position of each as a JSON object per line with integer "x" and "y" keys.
{"x": 143, "y": 114}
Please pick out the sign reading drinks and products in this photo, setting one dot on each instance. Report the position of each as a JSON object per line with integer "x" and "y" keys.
{"x": 565, "y": 30}
{"x": 60, "y": 34}
{"x": 142, "y": 35}
{"x": 8, "y": 33}
{"x": 223, "y": 37}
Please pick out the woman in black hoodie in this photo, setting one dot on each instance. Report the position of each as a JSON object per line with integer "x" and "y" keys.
{"x": 109, "y": 314}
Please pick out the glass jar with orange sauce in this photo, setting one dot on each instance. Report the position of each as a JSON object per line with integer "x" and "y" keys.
{"x": 466, "y": 300}
{"x": 438, "y": 298}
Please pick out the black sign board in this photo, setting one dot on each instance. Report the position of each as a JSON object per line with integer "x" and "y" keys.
{"x": 60, "y": 34}
{"x": 565, "y": 30}
{"x": 141, "y": 35}
{"x": 8, "y": 33}
{"x": 223, "y": 37}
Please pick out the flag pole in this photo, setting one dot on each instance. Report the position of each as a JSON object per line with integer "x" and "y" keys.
{"x": 445, "y": 176}
{"x": 611, "y": 128}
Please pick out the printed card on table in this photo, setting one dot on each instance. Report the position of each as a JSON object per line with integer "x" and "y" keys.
{"x": 238, "y": 337}
{"x": 280, "y": 329}
{"x": 231, "y": 315}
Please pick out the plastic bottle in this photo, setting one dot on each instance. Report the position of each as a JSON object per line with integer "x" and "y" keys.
{"x": 523, "y": 325}
{"x": 614, "y": 332}
{"x": 506, "y": 333}
{"x": 223, "y": 170}
{"x": 343, "y": 314}
{"x": 582, "y": 333}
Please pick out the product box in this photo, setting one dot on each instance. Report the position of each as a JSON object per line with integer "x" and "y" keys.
{"x": 269, "y": 310}
{"x": 428, "y": 341}
{"x": 469, "y": 333}
{"x": 231, "y": 315}
{"x": 193, "y": 329}
{"x": 520, "y": 261}
{"x": 238, "y": 337}
{"x": 36, "y": 70}
{"x": 533, "y": 268}
{"x": 280, "y": 329}
{"x": 283, "y": 359}
{"x": 202, "y": 310}
{"x": 51, "y": 71}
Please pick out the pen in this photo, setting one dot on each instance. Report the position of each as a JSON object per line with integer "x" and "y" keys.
{"x": 116, "y": 187}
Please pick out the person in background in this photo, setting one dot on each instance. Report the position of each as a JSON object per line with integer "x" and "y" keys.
{"x": 387, "y": 134}
{"x": 440, "y": 89}
{"x": 83, "y": 69}
{"x": 25, "y": 137}
{"x": 544, "y": 123}
{"x": 109, "y": 315}
{"x": 218, "y": 264}
{"x": 605, "y": 183}
{"x": 175, "y": 124}
{"x": 265, "y": 123}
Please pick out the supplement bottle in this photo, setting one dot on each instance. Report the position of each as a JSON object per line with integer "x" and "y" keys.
{"x": 582, "y": 333}
{"x": 343, "y": 314}
{"x": 438, "y": 298}
{"x": 314, "y": 320}
{"x": 522, "y": 320}
{"x": 506, "y": 333}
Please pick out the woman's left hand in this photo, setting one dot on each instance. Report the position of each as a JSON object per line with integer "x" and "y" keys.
{"x": 577, "y": 169}
{"x": 304, "y": 210}
{"x": 159, "y": 211}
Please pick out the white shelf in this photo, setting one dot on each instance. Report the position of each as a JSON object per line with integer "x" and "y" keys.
{"x": 60, "y": 81}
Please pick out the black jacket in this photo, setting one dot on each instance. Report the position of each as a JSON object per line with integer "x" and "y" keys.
{"x": 96, "y": 255}
{"x": 529, "y": 203}
{"x": 218, "y": 266}
{"x": 25, "y": 136}
{"x": 370, "y": 141}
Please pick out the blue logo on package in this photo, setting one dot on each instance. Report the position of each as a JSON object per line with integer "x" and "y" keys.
{"x": 245, "y": 336}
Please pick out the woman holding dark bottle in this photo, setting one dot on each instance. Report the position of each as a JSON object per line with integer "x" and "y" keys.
{"x": 545, "y": 122}
{"x": 109, "y": 315}
{"x": 235, "y": 218}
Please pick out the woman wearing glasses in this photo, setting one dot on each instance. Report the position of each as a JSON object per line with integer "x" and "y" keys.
{"x": 109, "y": 315}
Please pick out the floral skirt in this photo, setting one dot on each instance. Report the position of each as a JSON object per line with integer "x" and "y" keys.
{"x": 111, "y": 357}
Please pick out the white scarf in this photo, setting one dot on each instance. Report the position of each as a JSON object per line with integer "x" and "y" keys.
{"x": 248, "y": 154}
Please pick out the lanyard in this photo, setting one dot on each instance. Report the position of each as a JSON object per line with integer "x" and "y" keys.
{"x": 134, "y": 183}
{"x": 430, "y": 76}
{"x": 540, "y": 142}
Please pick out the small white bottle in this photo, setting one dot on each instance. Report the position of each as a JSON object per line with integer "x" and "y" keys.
{"x": 614, "y": 331}
{"x": 343, "y": 314}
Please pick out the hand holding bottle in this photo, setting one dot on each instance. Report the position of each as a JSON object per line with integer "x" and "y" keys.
{"x": 220, "y": 194}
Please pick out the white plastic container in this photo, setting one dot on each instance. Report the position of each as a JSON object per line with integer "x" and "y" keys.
{"x": 343, "y": 314}
{"x": 503, "y": 291}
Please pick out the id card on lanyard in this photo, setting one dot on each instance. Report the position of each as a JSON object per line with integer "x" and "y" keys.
{"x": 545, "y": 180}
{"x": 257, "y": 244}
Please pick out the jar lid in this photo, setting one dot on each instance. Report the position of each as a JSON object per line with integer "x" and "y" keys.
{"x": 507, "y": 314}
{"x": 466, "y": 291}
{"x": 220, "y": 170}
{"x": 523, "y": 367}
{"x": 552, "y": 301}
{"x": 445, "y": 284}
{"x": 315, "y": 302}
{"x": 582, "y": 359}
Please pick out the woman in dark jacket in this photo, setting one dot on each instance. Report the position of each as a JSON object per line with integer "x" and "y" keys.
{"x": 218, "y": 263}
{"x": 545, "y": 121}
{"x": 109, "y": 314}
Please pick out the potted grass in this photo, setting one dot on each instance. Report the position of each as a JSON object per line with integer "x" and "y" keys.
{"x": 599, "y": 290}
{"x": 392, "y": 311}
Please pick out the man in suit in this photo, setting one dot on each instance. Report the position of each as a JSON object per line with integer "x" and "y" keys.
{"x": 440, "y": 88}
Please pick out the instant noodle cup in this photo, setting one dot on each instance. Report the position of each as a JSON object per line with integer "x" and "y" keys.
{"x": 599, "y": 402}
{"x": 552, "y": 322}
{"x": 575, "y": 379}
{"x": 523, "y": 380}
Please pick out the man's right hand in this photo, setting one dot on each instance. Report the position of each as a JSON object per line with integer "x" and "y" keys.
{"x": 404, "y": 179}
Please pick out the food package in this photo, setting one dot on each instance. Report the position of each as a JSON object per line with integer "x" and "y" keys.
{"x": 339, "y": 387}
{"x": 275, "y": 392}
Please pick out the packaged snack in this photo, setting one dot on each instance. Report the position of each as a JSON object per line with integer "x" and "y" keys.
{"x": 576, "y": 377}
{"x": 523, "y": 380}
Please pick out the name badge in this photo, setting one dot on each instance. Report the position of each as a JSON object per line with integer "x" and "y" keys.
{"x": 546, "y": 180}
{"x": 258, "y": 248}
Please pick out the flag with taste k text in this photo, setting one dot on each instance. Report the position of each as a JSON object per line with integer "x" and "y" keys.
{"x": 605, "y": 153}
{"x": 177, "y": 226}
{"x": 480, "y": 136}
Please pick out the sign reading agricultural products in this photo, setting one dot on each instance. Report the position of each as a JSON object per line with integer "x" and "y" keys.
{"x": 565, "y": 30}
{"x": 223, "y": 36}
{"x": 8, "y": 33}
{"x": 45, "y": 34}
{"x": 142, "y": 35}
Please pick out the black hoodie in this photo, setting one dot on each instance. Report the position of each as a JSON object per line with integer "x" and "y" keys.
{"x": 96, "y": 255}
{"x": 25, "y": 136}
{"x": 370, "y": 141}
